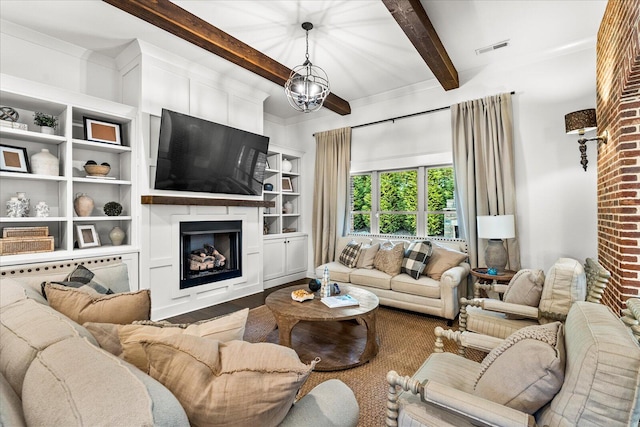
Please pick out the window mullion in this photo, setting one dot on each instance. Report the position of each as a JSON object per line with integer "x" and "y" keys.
{"x": 421, "y": 221}
{"x": 375, "y": 202}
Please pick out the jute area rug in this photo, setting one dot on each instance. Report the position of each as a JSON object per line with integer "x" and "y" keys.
{"x": 406, "y": 340}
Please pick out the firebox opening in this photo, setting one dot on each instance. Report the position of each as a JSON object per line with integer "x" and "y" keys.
{"x": 210, "y": 252}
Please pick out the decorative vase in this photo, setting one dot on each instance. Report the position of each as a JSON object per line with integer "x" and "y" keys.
{"x": 25, "y": 204}
{"x": 14, "y": 208}
{"x": 268, "y": 186}
{"x": 42, "y": 209}
{"x": 83, "y": 205}
{"x": 287, "y": 208}
{"x": 47, "y": 130}
{"x": 286, "y": 165}
{"x": 44, "y": 163}
{"x": 116, "y": 235}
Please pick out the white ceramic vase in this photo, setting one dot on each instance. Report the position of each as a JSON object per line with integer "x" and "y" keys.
{"x": 287, "y": 208}
{"x": 83, "y": 205}
{"x": 44, "y": 163}
{"x": 47, "y": 130}
{"x": 42, "y": 209}
{"x": 286, "y": 165}
{"x": 116, "y": 235}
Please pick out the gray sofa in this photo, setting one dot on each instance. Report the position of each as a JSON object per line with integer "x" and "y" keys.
{"x": 54, "y": 373}
{"x": 425, "y": 295}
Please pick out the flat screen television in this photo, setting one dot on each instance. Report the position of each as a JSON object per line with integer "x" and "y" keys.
{"x": 203, "y": 156}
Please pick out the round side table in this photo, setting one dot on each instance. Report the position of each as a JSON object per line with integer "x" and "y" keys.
{"x": 484, "y": 280}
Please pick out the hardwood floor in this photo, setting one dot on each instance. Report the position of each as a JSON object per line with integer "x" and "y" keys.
{"x": 251, "y": 301}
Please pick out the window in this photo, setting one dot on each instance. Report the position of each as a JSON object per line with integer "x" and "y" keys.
{"x": 417, "y": 201}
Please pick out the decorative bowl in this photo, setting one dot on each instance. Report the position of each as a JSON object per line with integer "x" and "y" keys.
{"x": 97, "y": 170}
{"x": 301, "y": 295}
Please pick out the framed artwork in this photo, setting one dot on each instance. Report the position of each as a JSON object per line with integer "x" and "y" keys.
{"x": 13, "y": 159}
{"x": 286, "y": 184}
{"x": 101, "y": 131}
{"x": 87, "y": 236}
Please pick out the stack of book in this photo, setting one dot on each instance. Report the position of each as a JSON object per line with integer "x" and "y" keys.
{"x": 339, "y": 301}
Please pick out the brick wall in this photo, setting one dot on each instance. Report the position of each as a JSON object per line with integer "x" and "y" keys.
{"x": 618, "y": 111}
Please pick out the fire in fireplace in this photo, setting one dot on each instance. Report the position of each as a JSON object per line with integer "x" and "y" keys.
{"x": 210, "y": 252}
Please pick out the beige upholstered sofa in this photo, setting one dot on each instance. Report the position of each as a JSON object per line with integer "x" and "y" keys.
{"x": 589, "y": 377}
{"x": 53, "y": 371}
{"x": 435, "y": 296}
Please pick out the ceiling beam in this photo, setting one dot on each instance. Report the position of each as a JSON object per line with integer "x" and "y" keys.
{"x": 180, "y": 23}
{"x": 415, "y": 23}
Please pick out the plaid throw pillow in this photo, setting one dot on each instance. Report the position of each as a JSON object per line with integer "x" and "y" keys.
{"x": 349, "y": 255}
{"x": 78, "y": 278}
{"x": 416, "y": 257}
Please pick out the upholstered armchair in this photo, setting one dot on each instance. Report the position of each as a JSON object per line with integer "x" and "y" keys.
{"x": 584, "y": 371}
{"x": 531, "y": 298}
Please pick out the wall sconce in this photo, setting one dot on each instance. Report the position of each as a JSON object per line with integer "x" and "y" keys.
{"x": 580, "y": 122}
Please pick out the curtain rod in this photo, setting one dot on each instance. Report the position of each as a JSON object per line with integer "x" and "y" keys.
{"x": 393, "y": 119}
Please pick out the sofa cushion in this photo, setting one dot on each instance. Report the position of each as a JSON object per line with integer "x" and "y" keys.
{"x": 494, "y": 323}
{"x": 75, "y": 383}
{"x": 82, "y": 307}
{"x": 27, "y": 327}
{"x": 416, "y": 257}
{"x": 234, "y": 383}
{"x": 125, "y": 340}
{"x": 11, "y": 292}
{"x": 367, "y": 255}
{"x": 10, "y": 406}
{"x": 565, "y": 283}
{"x": 441, "y": 260}
{"x": 525, "y": 288}
{"x": 526, "y": 371}
{"x": 372, "y": 278}
{"x": 424, "y": 286}
{"x": 337, "y": 271}
{"x": 350, "y": 253}
{"x": 389, "y": 258}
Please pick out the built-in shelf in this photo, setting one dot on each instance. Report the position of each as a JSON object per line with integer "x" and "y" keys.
{"x": 196, "y": 201}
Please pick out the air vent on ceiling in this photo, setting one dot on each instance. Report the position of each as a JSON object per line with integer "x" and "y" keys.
{"x": 492, "y": 47}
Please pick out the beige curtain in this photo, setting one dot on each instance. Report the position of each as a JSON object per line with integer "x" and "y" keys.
{"x": 330, "y": 192}
{"x": 484, "y": 172}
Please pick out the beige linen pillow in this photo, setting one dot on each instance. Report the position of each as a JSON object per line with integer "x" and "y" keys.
{"x": 367, "y": 255}
{"x": 389, "y": 258}
{"x": 81, "y": 307}
{"x": 441, "y": 260}
{"x": 525, "y": 288}
{"x": 527, "y": 370}
{"x": 565, "y": 283}
{"x": 229, "y": 384}
{"x": 124, "y": 341}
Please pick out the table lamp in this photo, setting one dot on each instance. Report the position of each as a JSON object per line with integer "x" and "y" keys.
{"x": 495, "y": 228}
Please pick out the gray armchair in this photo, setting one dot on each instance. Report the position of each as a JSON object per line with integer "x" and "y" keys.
{"x": 599, "y": 362}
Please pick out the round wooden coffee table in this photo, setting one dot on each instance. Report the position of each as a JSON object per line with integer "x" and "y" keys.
{"x": 342, "y": 337}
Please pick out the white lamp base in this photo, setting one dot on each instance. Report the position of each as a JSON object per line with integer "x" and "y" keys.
{"x": 495, "y": 256}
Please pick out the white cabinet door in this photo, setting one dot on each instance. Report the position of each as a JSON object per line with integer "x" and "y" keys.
{"x": 274, "y": 257}
{"x": 296, "y": 253}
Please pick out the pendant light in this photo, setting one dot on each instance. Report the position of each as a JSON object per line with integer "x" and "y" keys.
{"x": 308, "y": 85}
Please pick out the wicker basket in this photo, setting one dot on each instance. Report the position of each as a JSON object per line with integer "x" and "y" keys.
{"x": 25, "y": 231}
{"x": 28, "y": 245}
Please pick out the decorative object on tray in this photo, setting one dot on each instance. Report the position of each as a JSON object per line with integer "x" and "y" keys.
{"x": 101, "y": 131}
{"x": 286, "y": 165}
{"x": 112, "y": 208}
{"x": 13, "y": 159}
{"x": 286, "y": 184}
{"x": 492, "y": 271}
{"x": 42, "y": 209}
{"x": 301, "y": 295}
{"x": 314, "y": 285}
{"x": 9, "y": 114}
{"x": 45, "y": 163}
{"x": 87, "y": 236}
{"x": 287, "y": 208}
{"x": 116, "y": 235}
{"x": 340, "y": 301}
{"x": 25, "y": 240}
{"x": 83, "y": 204}
{"x": 47, "y": 122}
{"x": 268, "y": 186}
{"x": 206, "y": 258}
{"x": 94, "y": 169}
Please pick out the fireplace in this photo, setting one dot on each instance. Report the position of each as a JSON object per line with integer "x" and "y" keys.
{"x": 210, "y": 251}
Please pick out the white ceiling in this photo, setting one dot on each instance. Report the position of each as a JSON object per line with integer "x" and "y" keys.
{"x": 357, "y": 42}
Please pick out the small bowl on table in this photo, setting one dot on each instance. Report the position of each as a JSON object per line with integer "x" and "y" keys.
{"x": 97, "y": 170}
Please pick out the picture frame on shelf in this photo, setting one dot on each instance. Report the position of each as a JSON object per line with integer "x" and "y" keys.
{"x": 102, "y": 131}
{"x": 87, "y": 236}
{"x": 286, "y": 184}
{"x": 14, "y": 159}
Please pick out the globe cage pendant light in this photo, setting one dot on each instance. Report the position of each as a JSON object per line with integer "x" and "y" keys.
{"x": 308, "y": 85}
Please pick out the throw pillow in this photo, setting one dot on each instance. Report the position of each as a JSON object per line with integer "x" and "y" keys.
{"x": 525, "y": 288}
{"x": 389, "y": 258}
{"x": 565, "y": 283}
{"x": 81, "y": 307}
{"x": 441, "y": 260}
{"x": 235, "y": 383}
{"x": 416, "y": 257}
{"x": 367, "y": 255}
{"x": 81, "y": 278}
{"x": 527, "y": 370}
{"x": 125, "y": 340}
{"x": 349, "y": 255}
